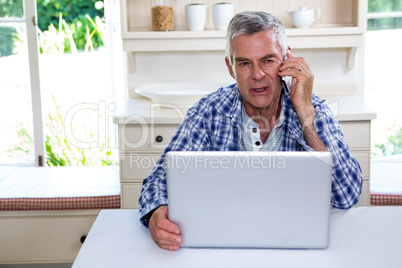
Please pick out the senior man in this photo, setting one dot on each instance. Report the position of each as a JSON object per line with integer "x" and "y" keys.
{"x": 259, "y": 112}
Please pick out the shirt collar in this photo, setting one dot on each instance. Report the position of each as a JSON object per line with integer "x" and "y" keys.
{"x": 246, "y": 117}
{"x": 231, "y": 101}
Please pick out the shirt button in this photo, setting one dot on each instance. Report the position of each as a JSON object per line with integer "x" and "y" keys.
{"x": 254, "y": 130}
{"x": 257, "y": 143}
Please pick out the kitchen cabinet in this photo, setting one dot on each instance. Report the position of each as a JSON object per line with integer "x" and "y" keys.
{"x": 145, "y": 129}
{"x": 43, "y": 236}
{"x": 342, "y": 25}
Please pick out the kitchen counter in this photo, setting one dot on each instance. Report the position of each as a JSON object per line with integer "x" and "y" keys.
{"x": 143, "y": 110}
{"x": 350, "y": 108}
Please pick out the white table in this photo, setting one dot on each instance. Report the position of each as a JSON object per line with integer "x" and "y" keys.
{"x": 359, "y": 237}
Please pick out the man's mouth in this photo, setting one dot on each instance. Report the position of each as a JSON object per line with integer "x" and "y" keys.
{"x": 260, "y": 89}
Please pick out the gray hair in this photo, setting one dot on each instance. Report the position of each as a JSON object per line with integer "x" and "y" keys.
{"x": 251, "y": 22}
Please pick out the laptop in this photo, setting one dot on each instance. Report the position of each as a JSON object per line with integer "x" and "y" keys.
{"x": 250, "y": 199}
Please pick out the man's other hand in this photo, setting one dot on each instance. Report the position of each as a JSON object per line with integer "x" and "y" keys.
{"x": 165, "y": 233}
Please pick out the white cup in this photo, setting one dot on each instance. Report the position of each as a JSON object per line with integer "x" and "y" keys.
{"x": 222, "y": 13}
{"x": 196, "y": 17}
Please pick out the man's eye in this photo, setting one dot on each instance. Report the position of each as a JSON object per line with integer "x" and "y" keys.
{"x": 243, "y": 63}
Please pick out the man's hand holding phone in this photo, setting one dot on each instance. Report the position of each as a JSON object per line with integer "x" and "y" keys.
{"x": 302, "y": 85}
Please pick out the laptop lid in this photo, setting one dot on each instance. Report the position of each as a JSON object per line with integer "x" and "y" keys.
{"x": 250, "y": 199}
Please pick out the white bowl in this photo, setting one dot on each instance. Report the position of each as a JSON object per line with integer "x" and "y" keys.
{"x": 180, "y": 95}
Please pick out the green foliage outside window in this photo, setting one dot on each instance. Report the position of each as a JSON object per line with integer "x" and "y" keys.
{"x": 11, "y": 8}
{"x": 392, "y": 146}
{"x": 377, "y": 6}
{"x": 7, "y": 34}
{"x": 384, "y": 6}
{"x": 64, "y": 38}
{"x": 74, "y": 12}
{"x": 71, "y": 10}
{"x": 59, "y": 152}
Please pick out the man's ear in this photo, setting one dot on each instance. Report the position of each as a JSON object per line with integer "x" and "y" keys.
{"x": 230, "y": 69}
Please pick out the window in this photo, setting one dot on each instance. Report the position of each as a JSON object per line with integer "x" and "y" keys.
{"x": 20, "y": 86}
{"x": 58, "y": 82}
{"x": 384, "y": 14}
{"x": 384, "y": 93}
{"x": 381, "y": 91}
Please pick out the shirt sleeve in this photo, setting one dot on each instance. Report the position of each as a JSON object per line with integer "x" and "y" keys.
{"x": 347, "y": 178}
{"x": 188, "y": 136}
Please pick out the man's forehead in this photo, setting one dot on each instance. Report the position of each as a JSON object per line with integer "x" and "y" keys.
{"x": 261, "y": 44}
{"x": 268, "y": 33}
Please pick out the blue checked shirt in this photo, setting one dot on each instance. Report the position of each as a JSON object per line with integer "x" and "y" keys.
{"x": 214, "y": 124}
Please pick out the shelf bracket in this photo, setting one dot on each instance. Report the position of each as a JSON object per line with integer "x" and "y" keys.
{"x": 131, "y": 62}
{"x": 351, "y": 57}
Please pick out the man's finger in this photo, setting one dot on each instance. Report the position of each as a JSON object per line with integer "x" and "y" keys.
{"x": 162, "y": 234}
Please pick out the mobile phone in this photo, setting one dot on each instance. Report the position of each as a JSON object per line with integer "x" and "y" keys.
{"x": 286, "y": 54}
{"x": 287, "y": 80}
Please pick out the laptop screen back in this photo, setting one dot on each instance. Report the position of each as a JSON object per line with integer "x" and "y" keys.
{"x": 250, "y": 199}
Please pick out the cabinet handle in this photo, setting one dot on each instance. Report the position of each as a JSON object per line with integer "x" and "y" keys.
{"x": 159, "y": 138}
{"x": 82, "y": 239}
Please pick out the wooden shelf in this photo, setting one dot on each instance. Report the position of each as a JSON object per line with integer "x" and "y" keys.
{"x": 335, "y": 29}
{"x": 146, "y": 41}
{"x": 331, "y": 37}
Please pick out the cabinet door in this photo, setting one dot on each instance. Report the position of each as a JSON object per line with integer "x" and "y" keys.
{"x": 365, "y": 196}
{"x": 357, "y": 134}
{"x": 130, "y": 193}
{"x": 363, "y": 157}
{"x": 145, "y": 137}
{"x": 39, "y": 239}
{"x": 136, "y": 166}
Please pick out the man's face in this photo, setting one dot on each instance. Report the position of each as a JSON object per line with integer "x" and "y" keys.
{"x": 256, "y": 60}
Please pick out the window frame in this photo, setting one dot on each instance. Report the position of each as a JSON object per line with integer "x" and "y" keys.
{"x": 33, "y": 55}
{"x": 29, "y": 19}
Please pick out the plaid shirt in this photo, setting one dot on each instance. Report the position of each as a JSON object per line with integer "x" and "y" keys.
{"x": 213, "y": 124}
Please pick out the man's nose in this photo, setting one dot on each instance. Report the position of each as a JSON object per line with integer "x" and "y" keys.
{"x": 257, "y": 72}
